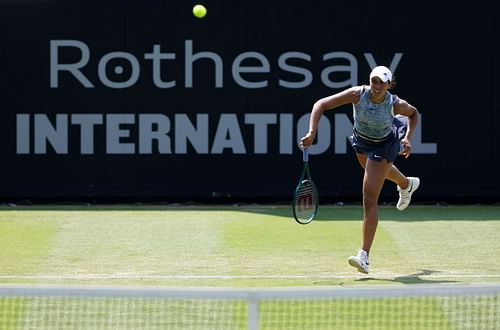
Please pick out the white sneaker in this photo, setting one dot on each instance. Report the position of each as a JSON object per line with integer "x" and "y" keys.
{"x": 360, "y": 261}
{"x": 405, "y": 194}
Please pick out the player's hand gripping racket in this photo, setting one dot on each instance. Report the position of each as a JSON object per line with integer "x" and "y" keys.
{"x": 305, "y": 198}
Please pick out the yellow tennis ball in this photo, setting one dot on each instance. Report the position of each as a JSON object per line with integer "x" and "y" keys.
{"x": 199, "y": 11}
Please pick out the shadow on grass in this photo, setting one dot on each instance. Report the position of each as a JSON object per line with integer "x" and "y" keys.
{"x": 390, "y": 213}
{"x": 328, "y": 212}
{"x": 410, "y": 279}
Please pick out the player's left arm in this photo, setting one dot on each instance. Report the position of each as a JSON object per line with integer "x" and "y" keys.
{"x": 402, "y": 107}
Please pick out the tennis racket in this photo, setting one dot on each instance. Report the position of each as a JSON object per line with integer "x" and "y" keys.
{"x": 305, "y": 197}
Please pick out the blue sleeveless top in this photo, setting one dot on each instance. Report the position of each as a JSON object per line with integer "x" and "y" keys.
{"x": 373, "y": 121}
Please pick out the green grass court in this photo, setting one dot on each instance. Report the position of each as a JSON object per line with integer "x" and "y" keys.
{"x": 245, "y": 246}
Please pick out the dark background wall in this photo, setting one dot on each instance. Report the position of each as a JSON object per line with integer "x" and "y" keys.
{"x": 117, "y": 99}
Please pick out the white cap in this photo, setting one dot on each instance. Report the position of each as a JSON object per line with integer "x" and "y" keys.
{"x": 381, "y": 72}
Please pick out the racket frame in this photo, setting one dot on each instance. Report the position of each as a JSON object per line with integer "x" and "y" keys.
{"x": 305, "y": 175}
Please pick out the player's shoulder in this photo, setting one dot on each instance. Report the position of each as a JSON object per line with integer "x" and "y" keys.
{"x": 397, "y": 101}
{"x": 361, "y": 88}
{"x": 355, "y": 93}
{"x": 356, "y": 90}
{"x": 401, "y": 106}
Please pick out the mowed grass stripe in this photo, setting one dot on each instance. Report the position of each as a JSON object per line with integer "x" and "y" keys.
{"x": 26, "y": 239}
{"x": 137, "y": 242}
{"x": 246, "y": 244}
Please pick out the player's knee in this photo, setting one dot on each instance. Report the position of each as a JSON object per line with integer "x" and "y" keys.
{"x": 370, "y": 199}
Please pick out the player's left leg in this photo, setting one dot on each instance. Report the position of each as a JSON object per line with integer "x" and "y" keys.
{"x": 373, "y": 181}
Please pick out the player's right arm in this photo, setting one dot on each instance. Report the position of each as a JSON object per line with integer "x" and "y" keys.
{"x": 350, "y": 95}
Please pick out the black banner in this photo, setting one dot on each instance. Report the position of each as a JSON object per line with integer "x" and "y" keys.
{"x": 142, "y": 99}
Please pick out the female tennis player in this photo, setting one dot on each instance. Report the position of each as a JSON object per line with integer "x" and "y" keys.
{"x": 382, "y": 130}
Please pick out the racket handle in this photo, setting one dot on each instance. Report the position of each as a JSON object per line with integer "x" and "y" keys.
{"x": 305, "y": 155}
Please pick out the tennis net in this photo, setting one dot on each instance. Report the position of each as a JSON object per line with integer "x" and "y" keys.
{"x": 366, "y": 307}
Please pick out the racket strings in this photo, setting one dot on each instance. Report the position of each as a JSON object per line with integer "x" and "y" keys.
{"x": 306, "y": 200}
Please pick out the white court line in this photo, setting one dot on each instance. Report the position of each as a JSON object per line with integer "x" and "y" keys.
{"x": 234, "y": 277}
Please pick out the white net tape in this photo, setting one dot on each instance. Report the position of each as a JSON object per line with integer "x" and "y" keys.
{"x": 381, "y": 307}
